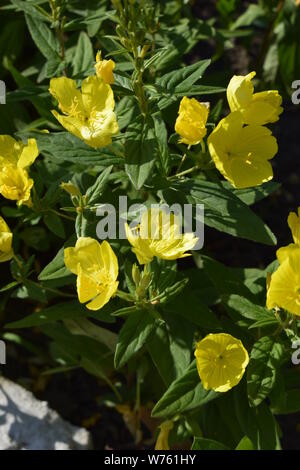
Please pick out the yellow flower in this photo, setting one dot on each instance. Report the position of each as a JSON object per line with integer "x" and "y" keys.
{"x": 162, "y": 442}
{"x": 284, "y": 289}
{"x": 96, "y": 267}
{"x": 294, "y": 224}
{"x": 15, "y": 184}
{"x": 15, "y": 159}
{"x": 241, "y": 153}
{"x": 88, "y": 114}
{"x": 256, "y": 108}
{"x": 221, "y": 361}
{"x": 191, "y": 121}
{"x": 16, "y": 152}
{"x": 6, "y": 251}
{"x": 104, "y": 69}
{"x": 159, "y": 234}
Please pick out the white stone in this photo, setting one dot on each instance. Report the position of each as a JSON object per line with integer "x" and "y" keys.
{"x": 29, "y": 424}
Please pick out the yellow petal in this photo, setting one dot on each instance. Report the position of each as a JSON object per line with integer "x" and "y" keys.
{"x": 86, "y": 286}
{"x": 104, "y": 69}
{"x": 221, "y": 361}
{"x": 240, "y": 91}
{"x": 294, "y": 224}
{"x": 191, "y": 121}
{"x": 71, "y": 123}
{"x": 8, "y": 150}
{"x": 109, "y": 259}
{"x": 265, "y": 108}
{"x": 241, "y": 153}
{"x": 104, "y": 297}
{"x": 15, "y": 184}
{"x": 284, "y": 290}
{"x": 28, "y": 154}
{"x": 86, "y": 253}
{"x": 97, "y": 95}
{"x": 68, "y": 96}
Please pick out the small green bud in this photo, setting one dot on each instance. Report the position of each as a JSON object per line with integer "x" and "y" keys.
{"x": 136, "y": 275}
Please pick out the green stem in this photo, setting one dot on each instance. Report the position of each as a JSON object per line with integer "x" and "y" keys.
{"x": 64, "y": 216}
{"x": 124, "y": 296}
{"x": 54, "y": 291}
{"x": 185, "y": 172}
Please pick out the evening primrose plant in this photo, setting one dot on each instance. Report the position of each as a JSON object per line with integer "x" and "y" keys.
{"x": 192, "y": 353}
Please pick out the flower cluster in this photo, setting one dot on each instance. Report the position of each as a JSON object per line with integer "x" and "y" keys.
{"x": 240, "y": 145}
{"x": 89, "y": 113}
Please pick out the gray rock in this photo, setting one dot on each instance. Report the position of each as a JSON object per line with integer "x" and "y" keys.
{"x": 29, "y": 424}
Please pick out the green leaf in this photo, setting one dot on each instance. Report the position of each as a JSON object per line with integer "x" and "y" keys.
{"x": 60, "y": 311}
{"x": 184, "y": 394}
{"x": 84, "y": 54}
{"x": 222, "y": 210}
{"x": 140, "y": 152}
{"x": 225, "y": 279}
{"x": 170, "y": 355}
{"x": 245, "y": 444}
{"x": 252, "y": 195}
{"x": 258, "y": 424}
{"x": 95, "y": 192}
{"x": 192, "y": 308}
{"x": 182, "y": 79}
{"x": 265, "y": 360}
{"x": 55, "y": 224}
{"x": 64, "y": 147}
{"x": 56, "y": 269}
{"x": 252, "y": 13}
{"x": 133, "y": 335}
{"x": 43, "y": 37}
{"x": 161, "y": 135}
{"x": 251, "y": 311}
{"x": 291, "y": 403}
{"x": 84, "y": 327}
{"x": 30, "y": 10}
{"x": 159, "y": 349}
{"x": 200, "y": 443}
